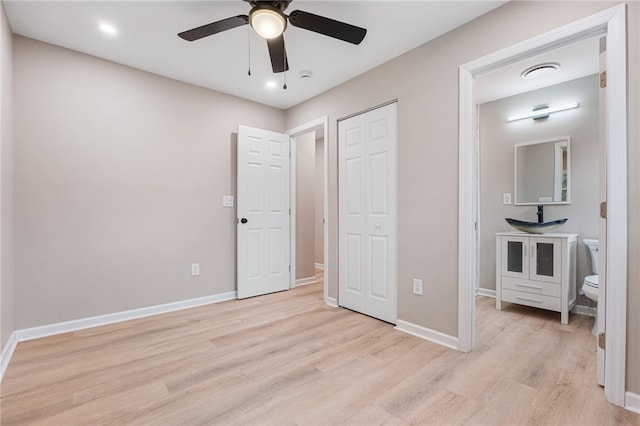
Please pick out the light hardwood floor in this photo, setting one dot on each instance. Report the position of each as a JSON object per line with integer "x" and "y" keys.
{"x": 286, "y": 359}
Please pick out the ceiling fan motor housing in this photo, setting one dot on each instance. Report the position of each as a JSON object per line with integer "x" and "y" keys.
{"x": 280, "y": 5}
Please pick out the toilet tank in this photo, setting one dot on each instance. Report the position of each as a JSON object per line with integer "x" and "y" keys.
{"x": 594, "y": 247}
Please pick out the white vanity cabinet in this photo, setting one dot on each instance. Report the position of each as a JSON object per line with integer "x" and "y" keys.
{"x": 537, "y": 270}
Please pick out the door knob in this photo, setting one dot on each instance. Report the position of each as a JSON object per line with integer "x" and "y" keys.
{"x": 244, "y": 220}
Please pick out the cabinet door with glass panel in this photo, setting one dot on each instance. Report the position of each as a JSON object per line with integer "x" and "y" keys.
{"x": 545, "y": 264}
{"x": 515, "y": 257}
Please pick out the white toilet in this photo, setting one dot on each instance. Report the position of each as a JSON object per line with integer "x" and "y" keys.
{"x": 590, "y": 284}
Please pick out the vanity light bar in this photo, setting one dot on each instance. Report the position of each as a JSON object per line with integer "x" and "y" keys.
{"x": 542, "y": 112}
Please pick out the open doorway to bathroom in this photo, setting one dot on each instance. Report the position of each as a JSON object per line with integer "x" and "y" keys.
{"x": 548, "y": 160}
{"x": 609, "y": 23}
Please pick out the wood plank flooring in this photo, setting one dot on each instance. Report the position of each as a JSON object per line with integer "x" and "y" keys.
{"x": 287, "y": 359}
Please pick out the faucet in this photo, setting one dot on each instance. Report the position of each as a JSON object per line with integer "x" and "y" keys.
{"x": 540, "y": 214}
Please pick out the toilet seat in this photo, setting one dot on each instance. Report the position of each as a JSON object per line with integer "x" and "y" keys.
{"x": 591, "y": 280}
{"x": 590, "y": 287}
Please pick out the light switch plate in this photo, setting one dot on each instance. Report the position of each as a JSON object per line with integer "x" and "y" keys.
{"x": 227, "y": 201}
{"x": 506, "y": 198}
{"x": 417, "y": 287}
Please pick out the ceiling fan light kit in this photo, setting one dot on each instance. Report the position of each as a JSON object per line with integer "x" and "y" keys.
{"x": 267, "y": 18}
{"x": 267, "y": 21}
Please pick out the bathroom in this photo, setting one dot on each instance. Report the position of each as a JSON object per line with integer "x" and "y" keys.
{"x": 579, "y": 125}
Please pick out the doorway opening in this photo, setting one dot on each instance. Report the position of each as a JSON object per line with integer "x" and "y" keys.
{"x": 309, "y": 208}
{"x": 610, "y": 24}
{"x": 309, "y": 204}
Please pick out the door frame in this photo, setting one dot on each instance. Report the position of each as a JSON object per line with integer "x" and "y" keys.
{"x": 320, "y": 123}
{"x": 612, "y": 24}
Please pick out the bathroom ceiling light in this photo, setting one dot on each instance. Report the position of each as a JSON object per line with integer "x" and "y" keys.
{"x": 542, "y": 112}
{"x": 540, "y": 70}
{"x": 271, "y": 84}
{"x": 267, "y": 21}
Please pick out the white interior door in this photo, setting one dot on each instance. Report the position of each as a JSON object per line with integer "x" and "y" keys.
{"x": 263, "y": 207}
{"x": 367, "y": 174}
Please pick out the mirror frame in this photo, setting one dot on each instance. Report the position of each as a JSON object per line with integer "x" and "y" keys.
{"x": 563, "y": 139}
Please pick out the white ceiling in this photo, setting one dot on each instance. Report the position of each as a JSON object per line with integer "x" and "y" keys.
{"x": 147, "y": 39}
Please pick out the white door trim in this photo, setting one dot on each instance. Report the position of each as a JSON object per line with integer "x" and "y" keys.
{"x": 323, "y": 123}
{"x": 612, "y": 23}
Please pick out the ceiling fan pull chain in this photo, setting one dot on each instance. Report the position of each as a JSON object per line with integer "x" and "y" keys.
{"x": 285, "y": 70}
{"x": 249, "y": 51}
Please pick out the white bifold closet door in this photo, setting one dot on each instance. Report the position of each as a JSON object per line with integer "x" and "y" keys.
{"x": 367, "y": 186}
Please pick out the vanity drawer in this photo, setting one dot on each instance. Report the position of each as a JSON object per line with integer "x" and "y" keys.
{"x": 530, "y": 299}
{"x": 529, "y": 286}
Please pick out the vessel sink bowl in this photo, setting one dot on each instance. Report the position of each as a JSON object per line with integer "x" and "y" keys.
{"x": 534, "y": 227}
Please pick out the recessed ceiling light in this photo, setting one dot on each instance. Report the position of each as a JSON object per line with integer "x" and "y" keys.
{"x": 272, "y": 84}
{"x": 108, "y": 29}
{"x": 540, "y": 70}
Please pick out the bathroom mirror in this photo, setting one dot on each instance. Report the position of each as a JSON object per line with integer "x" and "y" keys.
{"x": 542, "y": 172}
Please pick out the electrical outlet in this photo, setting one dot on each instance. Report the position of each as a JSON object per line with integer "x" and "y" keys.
{"x": 195, "y": 269}
{"x": 417, "y": 287}
{"x": 506, "y": 198}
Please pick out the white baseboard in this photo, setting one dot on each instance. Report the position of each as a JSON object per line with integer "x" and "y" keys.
{"x": 331, "y": 302}
{"x": 632, "y": 402}
{"x": 7, "y": 353}
{"x": 427, "y": 334}
{"x": 320, "y": 266}
{"x": 589, "y": 311}
{"x": 83, "y": 323}
{"x": 485, "y": 292}
{"x": 305, "y": 281}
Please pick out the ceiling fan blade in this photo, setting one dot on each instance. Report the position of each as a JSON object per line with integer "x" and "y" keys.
{"x": 278, "y": 54}
{"x": 329, "y": 27}
{"x": 214, "y": 28}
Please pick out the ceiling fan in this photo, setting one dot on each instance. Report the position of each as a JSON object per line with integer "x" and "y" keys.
{"x": 268, "y": 19}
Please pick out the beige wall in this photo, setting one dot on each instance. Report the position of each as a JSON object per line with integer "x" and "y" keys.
{"x": 497, "y": 138}
{"x": 319, "y": 202}
{"x": 425, "y": 82}
{"x": 6, "y": 186}
{"x": 119, "y": 178}
{"x": 305, "y": 204}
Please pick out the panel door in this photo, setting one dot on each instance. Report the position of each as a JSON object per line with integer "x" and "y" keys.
{"x": 515, "y": 257}
{"x": 367, "y": 173}
{"x": 263, "y": 199}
